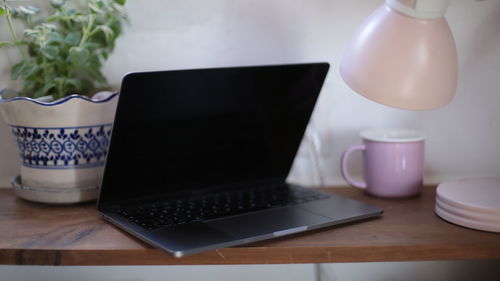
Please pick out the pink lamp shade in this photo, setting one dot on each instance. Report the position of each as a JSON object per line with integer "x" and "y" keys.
{"x": 402, "y": 61}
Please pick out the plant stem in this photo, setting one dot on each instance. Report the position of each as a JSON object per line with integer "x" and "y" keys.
{"x": 59, "y": 89}
{"x": 44, "y": 68}
{"x": 11, "y": 29}
{"x": 86, "y": 31}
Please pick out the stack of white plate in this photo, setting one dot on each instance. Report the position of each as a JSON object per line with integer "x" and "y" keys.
{"x": 473, "y": 202}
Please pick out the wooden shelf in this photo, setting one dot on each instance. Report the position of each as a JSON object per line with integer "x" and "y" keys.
{"x": 38, "y": 234}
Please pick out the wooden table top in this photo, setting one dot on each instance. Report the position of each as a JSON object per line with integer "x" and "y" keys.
{"x": 38, "y": 234}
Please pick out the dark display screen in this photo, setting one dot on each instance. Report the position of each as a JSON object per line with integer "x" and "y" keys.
{"x": 181, "y": 131}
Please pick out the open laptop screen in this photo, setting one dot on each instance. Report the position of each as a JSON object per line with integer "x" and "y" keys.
{"x": 180, "y": 131}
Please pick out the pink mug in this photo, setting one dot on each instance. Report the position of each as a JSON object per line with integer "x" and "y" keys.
{"x": 393, "y": 163}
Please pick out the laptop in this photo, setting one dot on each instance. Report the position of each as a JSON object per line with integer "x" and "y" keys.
{"x": 198, "y": 159}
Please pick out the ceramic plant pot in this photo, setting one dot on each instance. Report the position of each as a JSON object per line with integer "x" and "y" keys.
{"x": 62, "y": 145}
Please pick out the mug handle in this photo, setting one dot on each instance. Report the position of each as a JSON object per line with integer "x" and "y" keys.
{"x": 345, "y": 173}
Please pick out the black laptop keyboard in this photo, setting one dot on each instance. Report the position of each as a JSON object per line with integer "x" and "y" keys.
{"x": 168, "y": 213}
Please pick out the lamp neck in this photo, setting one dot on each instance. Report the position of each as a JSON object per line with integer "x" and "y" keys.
{"x": 420, "y": 9}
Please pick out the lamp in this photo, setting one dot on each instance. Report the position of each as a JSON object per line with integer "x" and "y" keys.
{"x": 404, "y": 56}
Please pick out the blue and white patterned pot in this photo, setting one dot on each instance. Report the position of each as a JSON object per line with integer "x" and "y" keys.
{"x": 62, "y": 145}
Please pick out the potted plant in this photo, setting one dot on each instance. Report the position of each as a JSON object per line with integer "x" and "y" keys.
{"x": 61, "y": 128}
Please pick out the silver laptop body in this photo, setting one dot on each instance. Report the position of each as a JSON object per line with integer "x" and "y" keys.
{"x": 198, "y": 159}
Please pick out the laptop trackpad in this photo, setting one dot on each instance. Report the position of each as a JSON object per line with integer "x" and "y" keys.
{"x": 268, "y": 222}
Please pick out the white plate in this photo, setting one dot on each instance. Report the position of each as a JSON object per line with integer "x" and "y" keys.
{"x": 464, "y": 213}
{"x": 472, "y": 202}
{"x": 474, "y": 194}
{"x": 475, "y": 224}
{"x": 463, "y": 208}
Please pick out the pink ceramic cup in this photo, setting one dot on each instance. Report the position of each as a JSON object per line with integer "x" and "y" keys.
{"x": 393, "y": 163}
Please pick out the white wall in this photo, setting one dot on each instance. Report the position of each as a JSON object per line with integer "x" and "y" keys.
{"x": 463, "y": 138}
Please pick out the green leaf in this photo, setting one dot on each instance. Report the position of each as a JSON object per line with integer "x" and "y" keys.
{"x": 24, "y": 69}
{"x": 16, "y": 13}
{"x": 73, "y": 38}
{"x": 52, "y": 18}
{"x": 100, "y": 3}
{"x": 29, "y": 67}
{"x": 57, "y": 3}
{"x": 48, "y": 26}
{"x": 54, "y": 38}
{"x": 120, "y": 2}
{"x": 97, "y": 75}
{"x": 16, "y": 71}
{"x": 44, "y": 91}
{"x": 78, "y": 55}
{"x": 103, "y": 56}
{"x": 50, "y": 52}
{"x": 108, "y": 32}
{"x": 27, "y": 10}
{"x": 5, "y": 44}
{"x": 95, "y": 8}
{"x": 34, "y": 9}
{"x": 58, "y": 62}
{"x": 31, "y": 33}
{"x": 120, "y": 11}
{"x": 77, "y": 83}
{"x": 79, "y": 18}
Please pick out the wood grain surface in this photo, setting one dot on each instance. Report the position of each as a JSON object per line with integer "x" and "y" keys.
{"x": 38, "y": 234}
